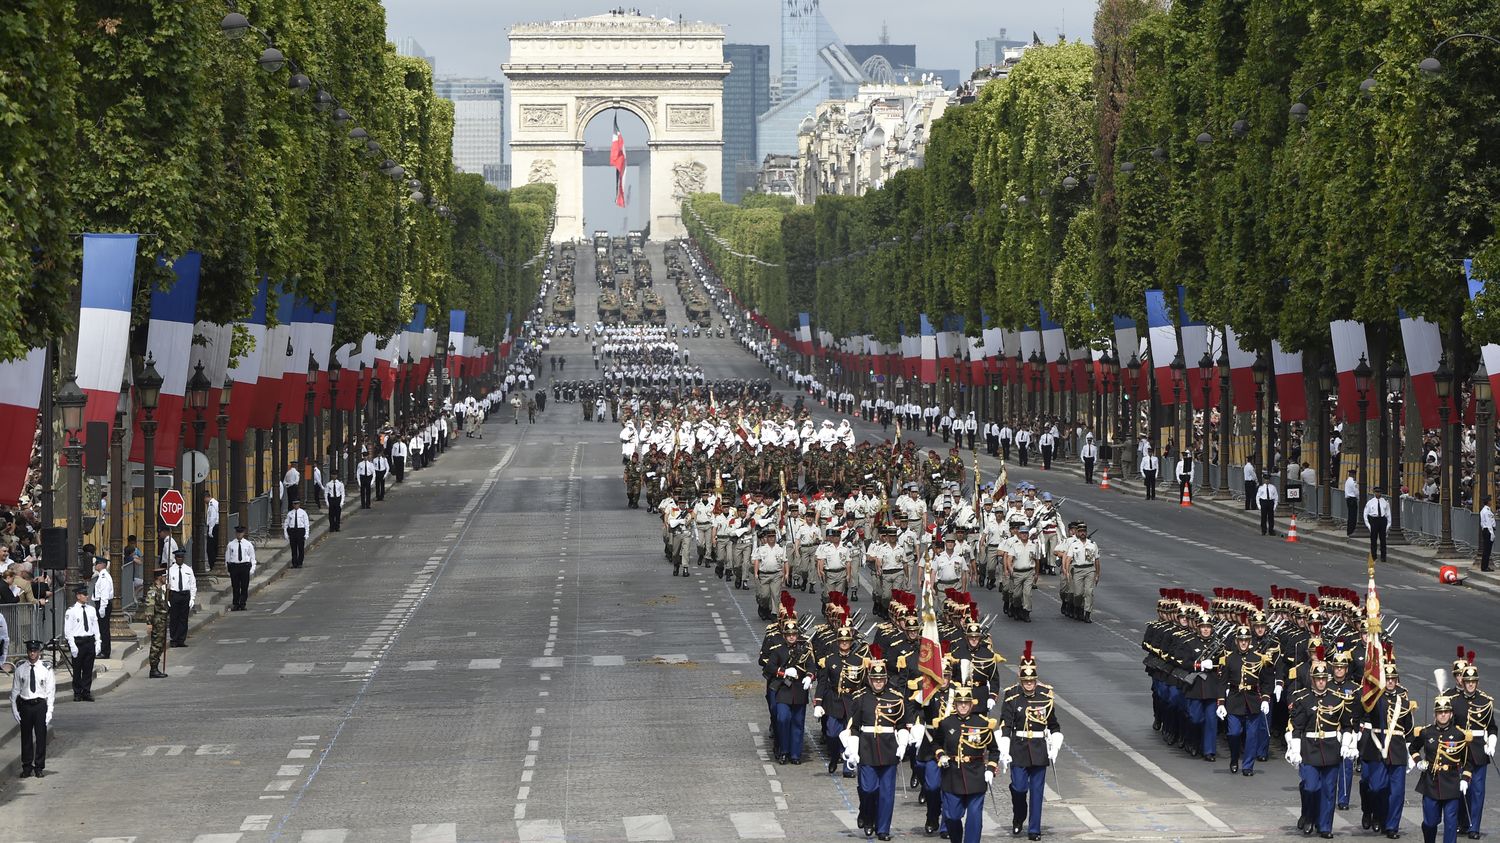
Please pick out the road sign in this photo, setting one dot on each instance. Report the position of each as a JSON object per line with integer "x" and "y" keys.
{"x": 195, "y": 466}
{"x": 172, "y": 508}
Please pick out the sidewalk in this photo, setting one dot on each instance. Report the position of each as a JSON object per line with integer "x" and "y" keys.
{"x": 131, "y": 656}
{"x": 1331, "y": 537}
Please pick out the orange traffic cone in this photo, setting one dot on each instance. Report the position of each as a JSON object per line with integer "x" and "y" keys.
{"x": 1187, "y": 495}
{"x": 1104, "y": 484}
{"x": 1291, "y": 532}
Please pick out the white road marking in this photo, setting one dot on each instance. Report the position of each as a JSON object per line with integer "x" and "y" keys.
{"x": 325, "y": 835}
{"x": 648, "y": 827}
{"x": 611, "y": 661}
{"x": 538, "y": 831}
{"x": 236, "y": 669}
{"x": 1090, "y": 821}
{"x": 757, "y": 825}
{"x": 434, "y": 833}
{"x": 256, "y": 822}
{"x": 484, "y": 664}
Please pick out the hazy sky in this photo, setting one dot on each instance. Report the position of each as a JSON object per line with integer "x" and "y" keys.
{"x": 468, "y": 36}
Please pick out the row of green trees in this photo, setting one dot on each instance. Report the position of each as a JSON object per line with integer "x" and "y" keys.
{"x": 140, "y": 116}
{"x": 1166, "y": 153}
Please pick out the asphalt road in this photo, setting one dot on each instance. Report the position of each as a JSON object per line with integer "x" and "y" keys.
{"x": 504, "y": 657}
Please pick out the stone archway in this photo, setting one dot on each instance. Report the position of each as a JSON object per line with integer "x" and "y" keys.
{"x": 668, "y": 73}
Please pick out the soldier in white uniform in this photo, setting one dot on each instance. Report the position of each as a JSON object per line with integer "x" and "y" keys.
{"x": 768, "y": 563}
{"x": 834, "y": 561}
{"x": 949, "y": 568}
{"x": 911, "y": 508}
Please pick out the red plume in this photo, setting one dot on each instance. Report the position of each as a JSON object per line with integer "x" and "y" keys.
{"x": 1162, "y": 591}
{"x": 876, "y": 653}
{"x": 1312, "y": 601}
{"x": 1471, "y": 657}
{"x": 1320, "y": 652}
{"x": 1218, "y": 592}
{"x": 1390, "y": 650}
{"x": 1026, "y": 653}
{"x": 974, "y": 611}
{"x": 788, "y": 602}
{"x": 1244, "y": 619}
{"x": 1317, "y": 629}
{"x": 1275, "y": 591}
{"x": 1460, "y": 655}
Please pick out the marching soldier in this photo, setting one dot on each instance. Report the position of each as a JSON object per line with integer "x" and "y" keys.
{"x": 1204, "y": 655}
{"x": 1384, "y": 756}
{"x": 1029, "y": 743}
{"x": 789, "y": 672}
{"x": 703, "y": 524}
{"x": 768, "y": 564}
{"x": 1246, "y": 702}
{"x": 890, "y": 566}
{"x": 1474, "y": 712}
{"x": 968, "y": 752}
{"x": 840, "y": 680}
{"x": 1080, "y": 573}
{"x": 1444, "y": 759}
{"x": 634, "y": 476}
{"x": 1021, "y": 573}
{"x": 158, "y": 616}
{"x": 1318, "y": 737}
{"x": 926, "y": 773}
{"x": 675, "y": 527}
{"x": 833, "y": 561}
{"x": 33, "y": 691}
{"x": 875, "y": 740}
{"x": 1346, "y": 687}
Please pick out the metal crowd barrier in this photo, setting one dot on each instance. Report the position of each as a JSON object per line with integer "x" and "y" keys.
{"x": 22, "y": 623}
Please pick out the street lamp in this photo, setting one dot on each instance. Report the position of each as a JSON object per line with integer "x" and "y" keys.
{"x": 306, "y": 447}
{"x": 1128, "y": 408}
{"x": 118, "y": 629}
{"x": 1036, "y": 363}
{"x": 1205, "y": 381}
{"x": 1225, "y": 414}
{"x": 226, "y": 468}
{"x": 148, "y": 393}
{"x": 1109, "y": 408}
{"x": 1064, "y": 370}
{"x": 335, "y": 420}
{"x": 1444, "y": 379}
{"x": 1326, "y": 382}
{"x": 198, "y": 387}
{"x": 70, "y": 402}
{"x": 1483, "y": 447}
{"x": 1178, "y": 369}
{"x": 1395, "y": 385}
{"x": 1362, "y": 390}
{"x": 1259, "y": 371}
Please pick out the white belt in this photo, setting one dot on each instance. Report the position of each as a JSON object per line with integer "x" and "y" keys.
{"x": 878, "y": 730}
{"x": 1320, "y": 735}
{"x": 1025, "y": 734}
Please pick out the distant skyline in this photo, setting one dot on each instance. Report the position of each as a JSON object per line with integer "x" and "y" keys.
{"x": 467, "y": 37}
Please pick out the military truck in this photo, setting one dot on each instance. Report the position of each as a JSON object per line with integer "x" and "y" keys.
{"x": 609, "y": 308}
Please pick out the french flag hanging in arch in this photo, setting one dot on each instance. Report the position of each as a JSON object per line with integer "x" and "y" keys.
{"x": 104, "y": 321}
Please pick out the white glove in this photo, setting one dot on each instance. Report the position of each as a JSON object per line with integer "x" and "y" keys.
{"x": 1265, "y": 707}
{"x": 943, "y": 762}
{"x": 850, "y": 742}
{"x": 1463, "y": 787}
{"x": 1002, "y": 745}
{"x": 903, "y": 738}
{"x": 1294, "y": 751}
{"x": 851, "y": 759}
{"x": 918, "y": 732}
{"x": 790, "y": 673}
{"x": 1207, "y": 664}
{"x": 1489, "y": 745}
{"x": 75, "y": 652}
{"x": 817, "y": 711}
{"x": 49, "y": 719}
{"x": 1422, "y": 766}
{"x": 1278, "y": 692}
{"x": 807, "y": 683}
{"x": 1411, "y": 762}
{"x": 1221, "y": 712}
{"x": 989, "y": 776}
{"x": 1349, "y": 745}
{"x": 1054, "y": 743}
{"x": 989, "y": 705}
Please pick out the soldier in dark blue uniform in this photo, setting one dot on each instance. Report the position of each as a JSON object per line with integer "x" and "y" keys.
{"x": 1445, "y": 764}
{"x": 1203, "y": 655}
{"x": 789, "y": 670}
{"x": 1383, "y": 756}
{"x": 1474, "y": 712}
{"x": 1342, "y": 684}
{"x": 1318, "y": 737}
{"x": 875, "y": 741}
{"x": 840, "y": 680}
{"x": 1246, "y": 702}
{"x": 1030, "y": 739}
{"x": 968, "y": 752}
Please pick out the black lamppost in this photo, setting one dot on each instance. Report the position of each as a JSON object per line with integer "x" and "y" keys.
{"x": 1362, "y": 390}
{"x": 1326, "y": 381}
{"x": 227, "y": 469}
{"x": 335, "y": 420}
{"x": 1395, "y": 384}
{"x": 118, "y": 629}
{"x": 1258, "y": 371}
{"x": 306, "y": 448}
{"x": 148, "y": 392}
{"x": 1128, "y": 409}
{"x": 198, "y": 387}
{"x": 1064, "y": 376}
{"x": 1444, "y": 378}
{"x": 1205, "y": 380}
{"x": 70, "y": 402}
{"x": 1037, "y": 364}
{"x": 1108, "y": 405}
{"x": 1483, "y": 448}
{"x": 1225, "y": 415}
{"x": 1178, "y": 368}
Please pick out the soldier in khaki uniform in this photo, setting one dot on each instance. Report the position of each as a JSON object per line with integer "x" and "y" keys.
{"x": 157, "y": 610}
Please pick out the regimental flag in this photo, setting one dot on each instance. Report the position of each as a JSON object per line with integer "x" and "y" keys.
{"x": 617, "y": 160}
{"x": 930, "y": 654}
{"x": 1374, "y": 679}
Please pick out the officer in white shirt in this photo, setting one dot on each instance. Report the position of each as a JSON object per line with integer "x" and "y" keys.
{"x": 1089, "y": 453}
{"x": 382, "y": 467}
{"x": 1150, "y": 467}
{"x": 294, "y": 529}
{"x": 333, "y": 494}
{"x": 1377, "y": 519}
{"x": 32, "y": 693}
{"x": 365, "y": 474}
{"x": 1023, "y": 443}
{"x": 81, "y": 629}
{"x": 1265, "y": 498}
{"x": 291, "y": 482}
{"x": 1047, "y": 442}
{"x": 398, "y": 459}
{"x": 1351, "y": 504}
{"x": 1486, "y": 533}
{"x": 239, "y": 558}
{"x": 211, "y": 523}
{"x": 182, "y": 596}
{"x": 1252, "y": 482}
{"x": 104, "y": 594}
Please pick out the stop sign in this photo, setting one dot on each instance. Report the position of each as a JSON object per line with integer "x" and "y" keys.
{"x": 172, "y": 508}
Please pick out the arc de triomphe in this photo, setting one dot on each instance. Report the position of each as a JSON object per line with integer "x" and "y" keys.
{"x": 668, "y": 73}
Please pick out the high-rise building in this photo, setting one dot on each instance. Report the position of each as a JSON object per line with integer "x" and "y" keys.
{"x": 815, "y": 66}
{"x": 991, "y": 51}
{"x": 747, "y": 95}
{"x": 898, "y": 55}
{"x": 478, "y": 125}
{"x": 408, "y": 46}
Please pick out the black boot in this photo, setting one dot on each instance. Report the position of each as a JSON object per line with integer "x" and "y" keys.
{"x": 719, "y": 570}
{"x": 157, "y": 673}
{"x": 1017, "y": 811}
{"x": 739, "y": 580}
{"x": 1429, "y": 834}
{"x": 956, "y": 830}
{"x": 934, "y": 812}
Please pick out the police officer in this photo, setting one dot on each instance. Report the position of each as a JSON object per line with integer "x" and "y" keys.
{"x": 382, "y": 468}
{"x": 239, "y": 559}
{"x": 968, "y": 752}
{"x": 1030, "y": 740}
{"x": 875, "y": 740}
{"x": 294, "y": 528}
{"x": 182, "y": 591}
{"x": 398, "y": 459}
{"x": 1150, "y": 466}
{"x": 333, "y": 493}
{"x": 33, "y": 691}
{"x": 790, "y": 671}
{"x": 81, "y": 629}
{"x": 158, "y": 618}
{"x": 1089, "y": 453}
{"x": 1444, "y": 759}
{"x": 1318, "y": 737}
{"x": 365, "y": 474}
